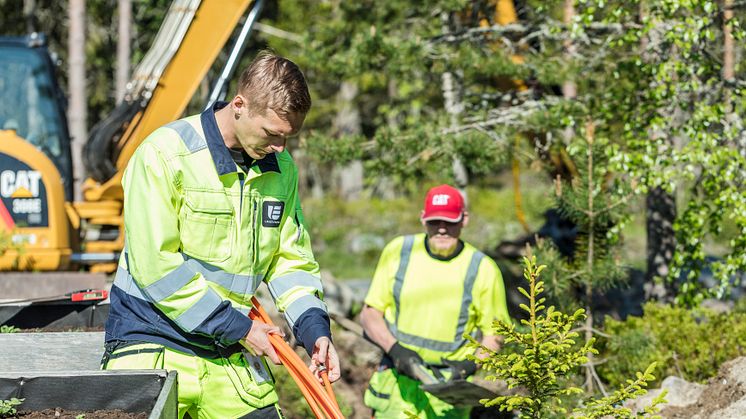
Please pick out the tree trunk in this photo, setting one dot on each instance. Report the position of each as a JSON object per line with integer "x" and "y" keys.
{"x": 123, "y": 48}
{"x": 660, "y": 213}
{"x": 661, "y": 242}
{"x": 77, "y": 113}
{"x": 29, "y": 14}
{"x": 451, "y": 87}
{"x": 569, "y": 87}
{"x": 347, "y": 122}
{"x": 729, "y": 75}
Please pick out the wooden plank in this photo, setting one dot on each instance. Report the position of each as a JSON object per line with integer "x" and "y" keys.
{"x": 45, "y": 352}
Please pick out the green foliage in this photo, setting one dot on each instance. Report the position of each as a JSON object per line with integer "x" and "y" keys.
{"x": 6, "y": 241}
{"x": 8, "y": 329}
{"x": 8, "y": 407}
{"x": 595, "y": 200}
{"x": 611, "y": 405}
{"x": 677, "y": 122}
{"x": 691, "y": 344}
{"x": 544, "y": 356}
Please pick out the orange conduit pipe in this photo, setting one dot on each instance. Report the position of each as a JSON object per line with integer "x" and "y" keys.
{"x": 322, "y": 402}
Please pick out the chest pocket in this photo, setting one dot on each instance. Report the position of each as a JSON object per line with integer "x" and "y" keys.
{"x": 207, "y": 225}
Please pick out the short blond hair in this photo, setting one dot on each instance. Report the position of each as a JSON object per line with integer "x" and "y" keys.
{"x": 274, "y": 82}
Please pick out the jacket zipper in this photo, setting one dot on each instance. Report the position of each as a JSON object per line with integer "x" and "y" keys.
{"x": 255, "y": 234}
{"x": 240, "y": 198}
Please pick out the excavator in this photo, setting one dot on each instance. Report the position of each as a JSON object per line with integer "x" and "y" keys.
{"x": 41, "y": 227}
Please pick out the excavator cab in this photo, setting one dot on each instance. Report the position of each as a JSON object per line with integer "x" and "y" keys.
{"x": 35, "y": 158}
{"x": 33, "y": 105}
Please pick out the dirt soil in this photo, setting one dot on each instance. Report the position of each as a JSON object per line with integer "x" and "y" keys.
{"x": 76, "y": 414}
{"x": 721, "y": 392}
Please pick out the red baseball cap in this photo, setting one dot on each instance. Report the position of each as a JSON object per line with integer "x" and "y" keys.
{"x": 443, "y": 203}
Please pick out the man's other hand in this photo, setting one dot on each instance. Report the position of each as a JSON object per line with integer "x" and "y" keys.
{"x": 257, "y": 340}
{"x": 325, "y": 354}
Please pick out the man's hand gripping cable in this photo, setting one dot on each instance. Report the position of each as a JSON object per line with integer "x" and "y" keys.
{"x": 323, "y": 403}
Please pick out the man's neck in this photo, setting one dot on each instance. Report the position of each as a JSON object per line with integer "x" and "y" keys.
{"x": 224, "y": 119}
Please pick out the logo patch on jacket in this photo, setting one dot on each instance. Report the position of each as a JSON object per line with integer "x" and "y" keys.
{"x": 272, "y": 213}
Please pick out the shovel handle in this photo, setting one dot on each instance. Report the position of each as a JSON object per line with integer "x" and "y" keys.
{"x": 422, "y": 373}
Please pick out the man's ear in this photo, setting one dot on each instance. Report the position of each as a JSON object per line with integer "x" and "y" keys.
{"x": 465, "y": 220}
{"x": 238, "y": 105}
{"x": 422, "y": 214}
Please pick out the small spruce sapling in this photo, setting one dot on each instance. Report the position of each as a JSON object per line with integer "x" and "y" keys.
{"x": 546, "y": 355}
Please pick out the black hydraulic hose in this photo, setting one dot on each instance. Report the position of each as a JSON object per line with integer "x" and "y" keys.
{"x": 99, "y": 152}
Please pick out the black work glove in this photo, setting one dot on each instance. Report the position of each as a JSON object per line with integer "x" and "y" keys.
{"x": 460, "y": 369}
{"x": 405, "y": 360}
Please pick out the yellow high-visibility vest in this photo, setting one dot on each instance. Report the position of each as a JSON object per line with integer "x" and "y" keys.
{"x": 429, "y": 304}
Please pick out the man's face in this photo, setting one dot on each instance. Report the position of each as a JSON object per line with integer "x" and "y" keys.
{"x": 443, "y": 235}
{"x": 260, "y": 135}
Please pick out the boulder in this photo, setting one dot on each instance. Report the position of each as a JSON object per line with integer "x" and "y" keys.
{"x": 723, "y": 397}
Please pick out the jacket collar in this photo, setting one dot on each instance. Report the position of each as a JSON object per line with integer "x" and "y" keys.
{"x": 220, "y": 155}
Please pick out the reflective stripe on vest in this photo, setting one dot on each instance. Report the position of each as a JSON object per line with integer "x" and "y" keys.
{"x": 422, "y": 342}
{"x": 243, "y": 285}
{"x": 192, "y": 140}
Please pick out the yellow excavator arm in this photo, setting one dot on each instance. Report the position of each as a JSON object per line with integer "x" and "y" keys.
{"x": 188, "y": 43}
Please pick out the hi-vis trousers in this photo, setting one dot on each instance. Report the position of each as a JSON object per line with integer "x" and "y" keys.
{"x": 239, "y": 386}
{"x": 390, "y": 395}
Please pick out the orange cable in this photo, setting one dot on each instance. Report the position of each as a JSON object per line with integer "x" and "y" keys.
{"x": 304, "y": 378}
{"x": 322, "y": 402}
{"x": 328, "y": 387}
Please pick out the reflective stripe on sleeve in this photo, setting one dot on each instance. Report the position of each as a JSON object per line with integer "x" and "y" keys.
{"x": 198, "y": 312}
{"x": 282, "y": 284}
{"x": 170, "y": 283}
{"x": 295, "y": 309}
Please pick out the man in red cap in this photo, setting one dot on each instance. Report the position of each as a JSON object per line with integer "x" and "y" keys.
{"x": 428, "y": 291}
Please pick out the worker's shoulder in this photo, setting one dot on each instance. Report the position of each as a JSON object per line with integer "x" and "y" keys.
{"x": 485, "y": 260}
{"x": 180, "y": 136}
{"x": 398, "y": 242}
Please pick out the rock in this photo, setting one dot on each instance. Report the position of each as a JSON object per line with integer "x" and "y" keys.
{"x": 363, "y": 242}
{"x": 723, "y": 397}
{"x": 680, "y": 393}
{"x": 338, "y": 296}
{"x": 717, "y": 306}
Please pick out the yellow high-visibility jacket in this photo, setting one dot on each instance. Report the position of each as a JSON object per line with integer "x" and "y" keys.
{"x": 429, "y": 303}
{"x": 201, "y": 235}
